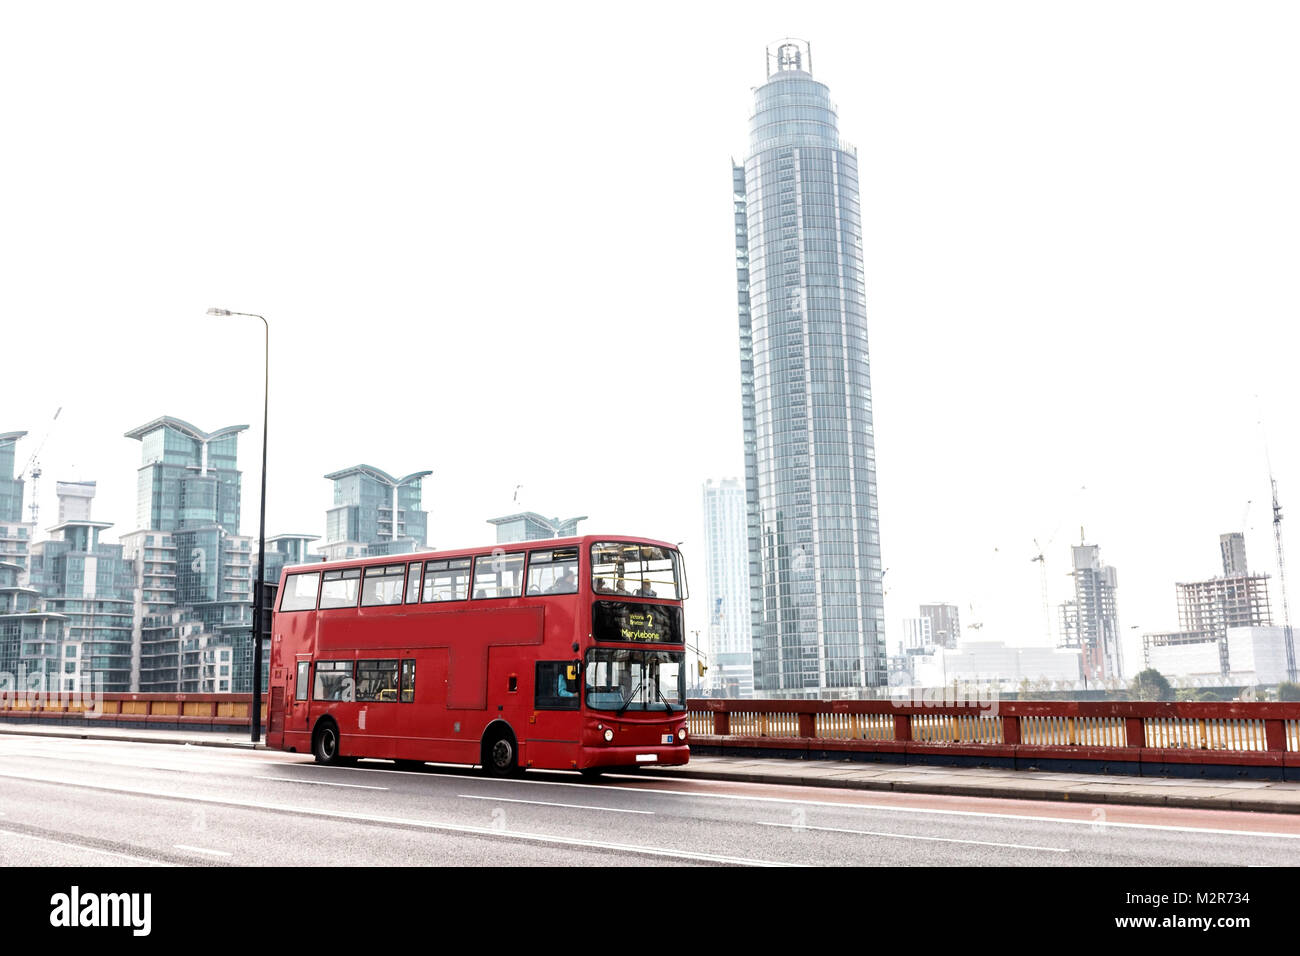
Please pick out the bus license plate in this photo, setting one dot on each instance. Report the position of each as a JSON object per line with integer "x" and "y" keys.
{"x": 666, "y": 739}
{"x": 646, "y": 758}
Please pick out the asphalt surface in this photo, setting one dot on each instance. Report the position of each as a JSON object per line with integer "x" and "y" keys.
{"x": 120, "y": 803}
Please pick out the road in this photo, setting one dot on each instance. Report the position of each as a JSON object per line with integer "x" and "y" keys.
{"x": 103, "y": 803}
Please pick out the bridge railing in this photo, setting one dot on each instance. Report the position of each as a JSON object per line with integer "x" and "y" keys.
{"x": 1261, "y": 734}
{"x": 202, "y": 711}
{"x": 1258, "y": 734}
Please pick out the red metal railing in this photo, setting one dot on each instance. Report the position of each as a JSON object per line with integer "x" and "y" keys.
{"x": 201, "y": 711}
{"x": 1241, "y": 734}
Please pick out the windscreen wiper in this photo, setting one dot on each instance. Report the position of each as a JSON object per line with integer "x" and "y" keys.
{"x": 628, "y": 701}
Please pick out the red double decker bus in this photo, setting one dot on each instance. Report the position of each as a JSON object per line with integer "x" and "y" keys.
{"x": 558, "y": 654}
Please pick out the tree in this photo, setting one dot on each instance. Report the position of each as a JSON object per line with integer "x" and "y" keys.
{"x": 1150, "y": 684}
{"x": 1288, "y": 691}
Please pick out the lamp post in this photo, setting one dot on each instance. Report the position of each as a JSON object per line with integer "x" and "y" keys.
{"x": 261, "y": 527}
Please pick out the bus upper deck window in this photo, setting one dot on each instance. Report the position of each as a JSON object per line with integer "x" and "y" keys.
{"x": 339, "y": 589}
{"x": 553, "y": 572}
{"x": 498, "y": 575}
{"x": 383, "y": 585}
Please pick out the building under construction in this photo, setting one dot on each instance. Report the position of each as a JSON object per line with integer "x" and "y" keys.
{"x": 1238, "y": 599}
{"x": 1215, "y": 605}
{"x": 1208, "y": 609}
{"x": 1090, "y": 621}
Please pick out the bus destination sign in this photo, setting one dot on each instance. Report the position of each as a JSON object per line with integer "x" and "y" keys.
{"x": 639, "y": 623}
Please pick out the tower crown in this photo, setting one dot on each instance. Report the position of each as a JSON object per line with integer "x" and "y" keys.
{"x": 790, "y": 54}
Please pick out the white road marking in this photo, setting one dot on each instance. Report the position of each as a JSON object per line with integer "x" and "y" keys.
{"x": 87, "y": 849}
{"x": 197, "y": 765}
{"x": 1089, "y": 822}
{"x": 543, "y": 803}
{"x": 196, "y": 760}
{"x": 200, "y": 849}
{"x": 408, "y": 822}
{"x": 907, "y": 836}
{"x": 318, "y": 783}
{"x": 94, "y": 744}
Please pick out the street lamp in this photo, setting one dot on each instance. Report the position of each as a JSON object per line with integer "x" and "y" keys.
{"x": 261, "y": 527}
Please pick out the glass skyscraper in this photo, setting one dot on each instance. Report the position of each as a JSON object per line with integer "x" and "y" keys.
{"x": 30, "y": 637}
{"x": 11, "y": 488}
{"x": 530, "y": 526}
{"x": 193, "y": 622}
{"x": 15, "y": 534}
{"x": 90, "y": 583}
{"x": 726, "y": 568}
{"x": 810, "y": 470}
{"x": 375, "y": 513}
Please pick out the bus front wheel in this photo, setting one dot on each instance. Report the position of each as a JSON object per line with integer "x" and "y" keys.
{"x": 500, "y": 756}
{"x": 325, "y": 743}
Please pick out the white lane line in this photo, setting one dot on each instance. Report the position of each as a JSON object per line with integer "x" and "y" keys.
{"x": 1089, "y": 822}
{"x": 87, "y": 849}
{"x": 798, "y": 802}
{"x": 371, "y": 765}
{"x": 200, "y": 849}
{"x": 858, "y": 806}
{"x": 907, "y": 836}
{"x": 195, "y": 766}
{"x": 316, "y": 783}
{"x": 408, "y": 822}
{"x": 210, "y": 749}
{"x": 543, "y": 803}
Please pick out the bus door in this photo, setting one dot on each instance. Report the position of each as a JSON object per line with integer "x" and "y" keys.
{"x": 297, "y": 707}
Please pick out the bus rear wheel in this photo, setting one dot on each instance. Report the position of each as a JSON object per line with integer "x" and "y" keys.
{"x": 325, "y": 744}
{"x": 500, "y": 756}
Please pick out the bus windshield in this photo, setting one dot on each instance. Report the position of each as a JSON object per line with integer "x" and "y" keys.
{"x": 635, "y": 680}
{"x": 639, "y": 570}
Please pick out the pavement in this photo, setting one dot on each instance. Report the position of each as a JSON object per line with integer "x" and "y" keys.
{"x": 1210, "y": 794}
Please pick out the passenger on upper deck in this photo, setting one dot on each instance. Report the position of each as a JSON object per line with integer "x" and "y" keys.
{"x": 566, "y": 583}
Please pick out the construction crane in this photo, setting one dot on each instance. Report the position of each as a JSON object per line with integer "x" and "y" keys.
{"x": 1281, "y": 579}
{"x": 1287, "y": 639}
{"x": 32, "y": 469}
{"x": 1041, "y": 558}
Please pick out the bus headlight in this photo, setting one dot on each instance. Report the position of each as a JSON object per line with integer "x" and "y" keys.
{"x": 609, "y": 735}
{"x": 681, "y": 734}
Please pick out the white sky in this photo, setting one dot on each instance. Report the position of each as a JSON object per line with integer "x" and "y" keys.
{"x": 497, "y": 243}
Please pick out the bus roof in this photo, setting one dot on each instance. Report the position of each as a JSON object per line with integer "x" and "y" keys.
{"x": 585, "y": 539}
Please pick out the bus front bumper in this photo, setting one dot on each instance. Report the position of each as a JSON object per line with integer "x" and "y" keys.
{"x": 632, "y": 756}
